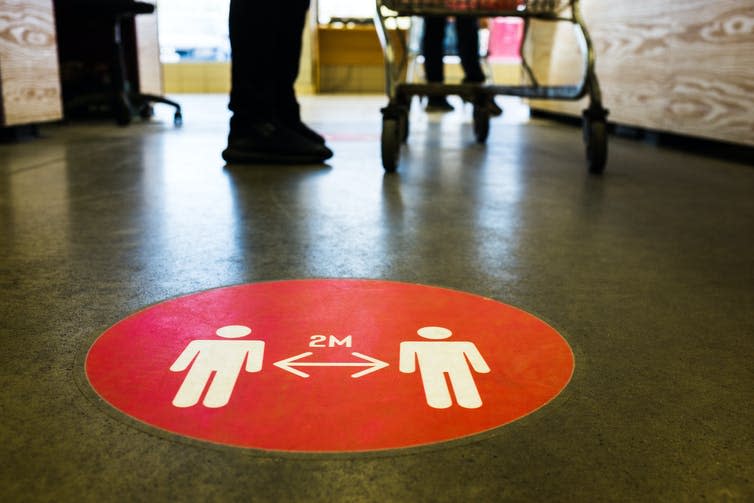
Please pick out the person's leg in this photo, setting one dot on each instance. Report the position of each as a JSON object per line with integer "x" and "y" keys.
{"x": 259, "y": 34}
{"x": 467, "y": 28}
{"x": 289, "y": 57}
{"x": 433, "y": 51}
{"x": 252, "y": 30}
{"x": 468, "y": 47}
{"x": 432, "y": 48}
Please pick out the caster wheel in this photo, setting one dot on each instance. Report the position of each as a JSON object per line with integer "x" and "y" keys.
{"x": 595, "y": 140}
{"x": 404, "y": 128}
{"x": 404, "y": 108}
{"x": 146, "y": 112}
{"x": 481, "y": 123}
{"x": 391, "y": 144}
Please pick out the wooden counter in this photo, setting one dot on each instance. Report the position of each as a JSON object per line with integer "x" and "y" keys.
{"x": 681, "y": 66}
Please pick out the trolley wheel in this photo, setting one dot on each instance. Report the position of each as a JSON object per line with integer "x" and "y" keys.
{"x": 595, "y": 140}
{"x": 403, "y": 109}
{"x": 404, "y": 128}
{"x": 391, "y": 143}
{"x": 481, "y": 123}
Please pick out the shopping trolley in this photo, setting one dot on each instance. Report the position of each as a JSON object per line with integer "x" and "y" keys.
{"x": 395, "y": 123}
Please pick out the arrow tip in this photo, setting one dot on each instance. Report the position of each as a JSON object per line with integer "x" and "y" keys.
{"x": 376, "y": 365}
{"x": 285, "y": 364}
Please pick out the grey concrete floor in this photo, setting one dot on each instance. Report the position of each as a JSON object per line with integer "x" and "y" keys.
{"x": 647, "y": 271}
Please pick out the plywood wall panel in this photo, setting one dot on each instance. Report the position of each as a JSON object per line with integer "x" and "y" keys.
{"x": 148, "y": 54}
{"x": 711, "y": 70}
{"x": 29, "y": 81}
{"x": 679, "y": 66}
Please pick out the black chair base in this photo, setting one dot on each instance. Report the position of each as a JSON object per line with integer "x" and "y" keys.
{"x": 120, "y": 101}
{"x": 124, "y": 107}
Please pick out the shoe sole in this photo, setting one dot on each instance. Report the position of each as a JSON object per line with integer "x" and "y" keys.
{"x": 267, "y": 158}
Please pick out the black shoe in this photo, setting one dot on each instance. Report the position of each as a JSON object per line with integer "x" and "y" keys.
{"x": 267, "y": 142}
{"x": 438, "y": 104}
{"x": 493, "y": 108}
{"x": 306, "y": 132}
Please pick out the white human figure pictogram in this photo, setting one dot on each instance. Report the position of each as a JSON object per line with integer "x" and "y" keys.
{"x": 438, "y": 357}
{"x": 224, "y": 358}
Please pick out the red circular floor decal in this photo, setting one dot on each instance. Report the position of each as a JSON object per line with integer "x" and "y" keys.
{"x": 329, "y": 365}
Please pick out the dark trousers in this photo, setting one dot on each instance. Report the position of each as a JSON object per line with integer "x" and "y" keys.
{"x": 467, "y": 29}
{"x": 265, "y": 42}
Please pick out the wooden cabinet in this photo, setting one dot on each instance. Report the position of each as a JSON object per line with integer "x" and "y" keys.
{"x": 351, "y": 59}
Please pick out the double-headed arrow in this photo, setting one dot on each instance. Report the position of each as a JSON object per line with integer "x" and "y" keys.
{"x": 372, "y": 364}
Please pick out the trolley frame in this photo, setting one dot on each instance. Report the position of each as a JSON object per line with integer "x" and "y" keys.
{"x": 395, "y": 114}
